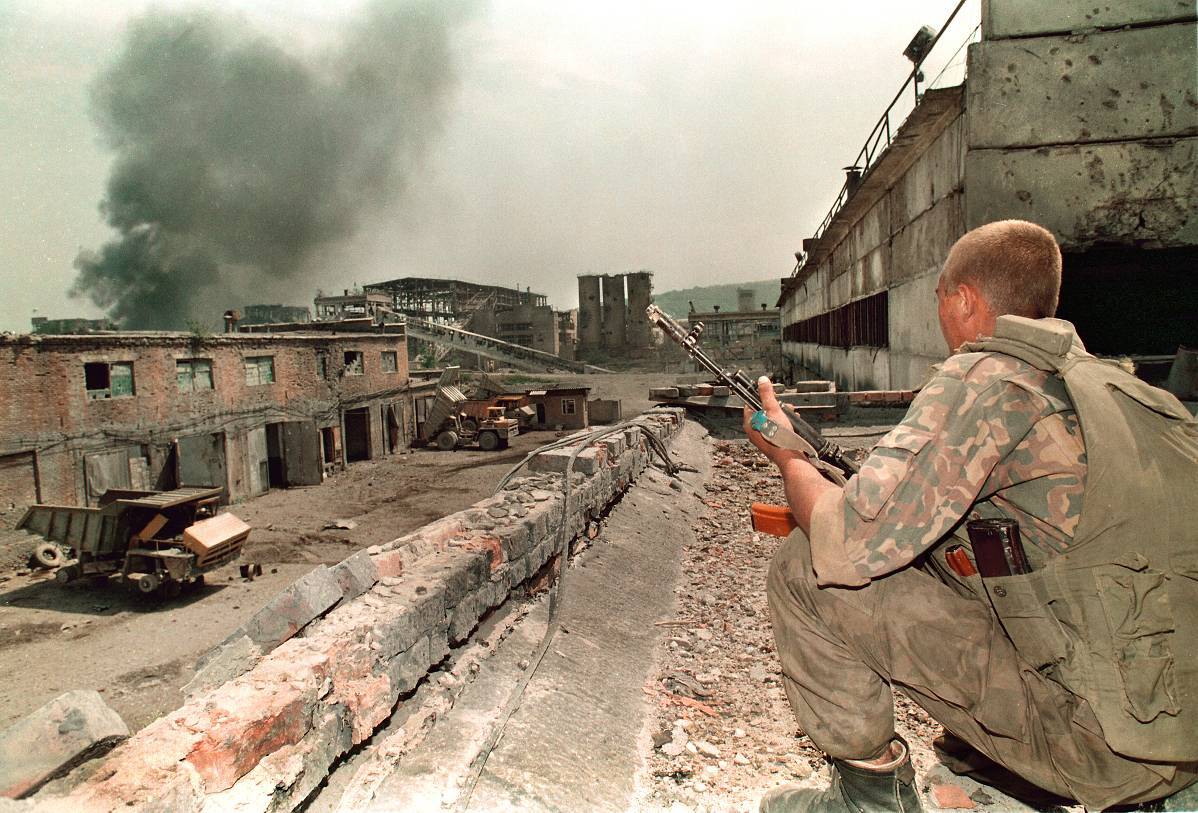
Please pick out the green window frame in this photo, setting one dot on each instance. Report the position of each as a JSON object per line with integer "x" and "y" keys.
{"x": 259, "y": 370}
{"x": 108, "y": 379}
{"x": 194, "y": 375}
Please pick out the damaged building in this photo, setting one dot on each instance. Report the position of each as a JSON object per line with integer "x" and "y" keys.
{"x": 246, "y": 412}
{"x": 611, "y": 314}
{"x": 747, "y": 337}
{"x": 1078, "y": 117}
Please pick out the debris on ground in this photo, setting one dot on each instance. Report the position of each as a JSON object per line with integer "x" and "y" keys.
{"x": 724, "y": 733}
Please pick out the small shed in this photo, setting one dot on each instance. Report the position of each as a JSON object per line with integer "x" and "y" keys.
{"x": 560, "y": 407}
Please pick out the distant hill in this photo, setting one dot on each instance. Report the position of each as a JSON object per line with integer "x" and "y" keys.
{"x": 676, "y": 303}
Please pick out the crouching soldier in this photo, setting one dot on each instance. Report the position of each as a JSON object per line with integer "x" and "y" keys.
{"x": 1073, "y": 663}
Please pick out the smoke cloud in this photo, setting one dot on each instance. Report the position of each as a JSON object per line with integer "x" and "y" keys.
{"x": 237, "y": 160}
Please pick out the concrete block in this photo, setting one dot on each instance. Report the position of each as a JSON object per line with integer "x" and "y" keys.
{"x": 231, "y": 659}
{"x": 516, "y": 540}
{"x": 587, "y": 462}
{"x": 1126, "y": 193}
{"x": 464, "y": 617}
{"x": 656, "y": 393}
{"x": 454, "y": 572}
{"x": 68, "y": 730}
{"x": 1117, "y": 85}
{"x": 409, "y": 667}
{"x": 357, "y": 574}
{"x": 1002, "y": 19}
{"x": 409, "y": 617}
{"x": 293, "y": 609}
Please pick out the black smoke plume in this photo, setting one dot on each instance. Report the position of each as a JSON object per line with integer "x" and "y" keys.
{"x": 238, "y": 158}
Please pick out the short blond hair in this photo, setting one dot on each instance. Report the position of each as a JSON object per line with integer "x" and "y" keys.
{"x": 1015, "y": 265}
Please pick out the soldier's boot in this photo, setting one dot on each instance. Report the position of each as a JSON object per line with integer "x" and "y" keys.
{"x": 857, "y": 787}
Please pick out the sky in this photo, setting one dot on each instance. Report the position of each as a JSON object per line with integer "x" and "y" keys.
{"x": 701, "y": 141}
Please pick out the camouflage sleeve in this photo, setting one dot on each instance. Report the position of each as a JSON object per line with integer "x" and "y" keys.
{"x": 923, "y": 476}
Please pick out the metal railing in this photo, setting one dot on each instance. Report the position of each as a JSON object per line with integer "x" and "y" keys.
{"x": 879, "y": 138}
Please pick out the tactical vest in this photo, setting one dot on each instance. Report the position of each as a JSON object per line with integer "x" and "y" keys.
{"x": 1115, "y": 618}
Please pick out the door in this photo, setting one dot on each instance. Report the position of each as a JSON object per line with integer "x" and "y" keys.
{"x": 257, "y": 461}
{"x": 357, "y": 434}
{"x": 301, "y": 453}
{"x": 105, "y": 470}
{"x": 274, "y": 456}
{"x": 200, "y": 461}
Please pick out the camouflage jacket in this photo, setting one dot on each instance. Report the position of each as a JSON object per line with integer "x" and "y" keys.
{"x": 986, "y": 429}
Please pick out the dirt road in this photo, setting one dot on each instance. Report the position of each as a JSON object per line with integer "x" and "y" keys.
{"x": 139, "y": 652}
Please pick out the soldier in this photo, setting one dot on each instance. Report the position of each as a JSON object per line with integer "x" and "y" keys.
{"x": 1079, "y": 677}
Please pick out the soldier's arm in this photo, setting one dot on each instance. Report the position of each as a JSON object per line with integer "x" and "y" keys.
{"x": 924, "y": 476}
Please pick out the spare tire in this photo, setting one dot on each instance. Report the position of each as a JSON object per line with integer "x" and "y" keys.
{"x": 48, "y": 555}
{"x": 447, "y": 441}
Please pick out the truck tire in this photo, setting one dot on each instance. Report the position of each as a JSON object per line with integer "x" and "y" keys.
{"x": 68, "y": 574}
{"x": 447, "y": 441}
{"x": 469, "y": 425}
{"x": 488, "y": 441}
{"x": 48, "y": 555}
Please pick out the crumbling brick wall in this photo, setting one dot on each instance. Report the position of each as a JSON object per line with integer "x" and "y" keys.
{"x": 46, "y": 407}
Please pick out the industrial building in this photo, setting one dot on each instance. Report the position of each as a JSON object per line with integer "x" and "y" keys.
{"x": 268, "y": 314}
{"x": 85, "y": 413}
{"x": 748, "y": 337}
{"x": 611, "y": 314}
{"x": 1076, "y": 116}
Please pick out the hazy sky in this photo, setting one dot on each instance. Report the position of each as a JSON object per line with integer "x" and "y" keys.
{"x": 702, "y": 141}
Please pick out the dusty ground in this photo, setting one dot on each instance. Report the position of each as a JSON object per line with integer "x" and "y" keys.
{"x": 139, "y": 652}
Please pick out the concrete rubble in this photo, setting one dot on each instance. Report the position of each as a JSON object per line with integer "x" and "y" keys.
{"x": 49, "y": 742}
{"x": 335, "y": 660}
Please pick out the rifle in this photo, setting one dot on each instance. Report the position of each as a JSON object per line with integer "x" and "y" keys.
{"x": 746, "y": 390}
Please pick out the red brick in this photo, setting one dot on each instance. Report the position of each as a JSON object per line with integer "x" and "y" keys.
{"x": 951, "y": 797}
{"x": 389, "y": 563}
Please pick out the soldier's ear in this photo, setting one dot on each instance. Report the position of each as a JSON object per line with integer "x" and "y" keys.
{"x": 970, "y": 301}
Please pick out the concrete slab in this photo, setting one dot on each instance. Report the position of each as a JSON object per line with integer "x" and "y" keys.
{"x": 577, "y": 739}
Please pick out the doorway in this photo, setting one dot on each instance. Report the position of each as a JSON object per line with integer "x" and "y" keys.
{"x": 357, "y": 434}
{"x": 275, "y": 468}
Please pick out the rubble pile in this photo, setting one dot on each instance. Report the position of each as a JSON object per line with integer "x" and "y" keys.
{"x": 723, "y": 732}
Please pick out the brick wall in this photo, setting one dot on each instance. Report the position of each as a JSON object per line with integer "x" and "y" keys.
{"x": 270, "y": 711}
{"x": 45, "y": 407}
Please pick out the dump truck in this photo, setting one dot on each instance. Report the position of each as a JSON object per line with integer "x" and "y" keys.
{"x": 153, "y": 541}
{"x": 449, "y": 427}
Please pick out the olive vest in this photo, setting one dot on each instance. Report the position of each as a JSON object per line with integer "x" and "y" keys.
{"x": 1115, "y": 618}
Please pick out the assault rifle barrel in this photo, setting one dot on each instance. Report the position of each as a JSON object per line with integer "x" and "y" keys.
{"x": 746, "y": 389}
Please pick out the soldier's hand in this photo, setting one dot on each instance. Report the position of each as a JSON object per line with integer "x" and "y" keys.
{"x": 773, "y": 410}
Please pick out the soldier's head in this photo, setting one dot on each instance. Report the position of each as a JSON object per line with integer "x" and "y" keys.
{"x": 1006, "y": 267}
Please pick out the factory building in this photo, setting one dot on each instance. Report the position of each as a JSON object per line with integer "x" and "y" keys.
{"x": 1078, "y": 117}
{"x": 246, "y": 412}
{"x": 611, "y": 313}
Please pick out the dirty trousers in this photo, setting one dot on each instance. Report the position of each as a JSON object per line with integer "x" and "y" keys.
{"x": 842, "y": 648}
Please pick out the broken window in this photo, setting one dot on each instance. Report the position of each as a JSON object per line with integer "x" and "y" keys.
{"x": 568, "y": 406}
{"x": 322, "y": 366}
{"x": 193, "y": 375}
{"x": 353, "y": 362}
{"x": 390, "y": 361}
{"x": 104, "y": 379}
{"x": 259, "y": 370}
